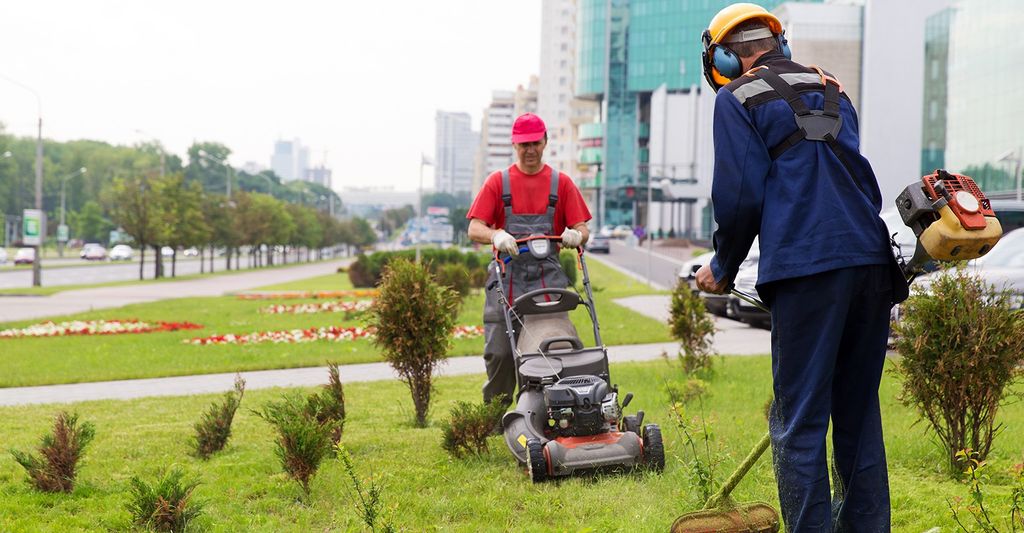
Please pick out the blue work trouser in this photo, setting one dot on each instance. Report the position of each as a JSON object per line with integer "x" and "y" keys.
{"x": 829, "y": 334}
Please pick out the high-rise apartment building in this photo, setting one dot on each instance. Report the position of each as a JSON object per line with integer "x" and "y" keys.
{"x": 290, "y": 160}
{"x": 455, "y": 147}
{"x": 320, "y": 175}
{"x": 495, "y": 151}
{"x": 556, "y": 103}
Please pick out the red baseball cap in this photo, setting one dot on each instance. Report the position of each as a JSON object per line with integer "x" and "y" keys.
{"x": 528, "y": 128}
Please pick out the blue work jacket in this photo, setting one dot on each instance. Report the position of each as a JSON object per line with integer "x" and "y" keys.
{"x": 809, "y": 212}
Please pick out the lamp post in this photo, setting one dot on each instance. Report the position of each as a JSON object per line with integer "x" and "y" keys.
{"x": 419, "y": 203}
{"x": 63, "y": 182}
{"x": 37, "y": 263}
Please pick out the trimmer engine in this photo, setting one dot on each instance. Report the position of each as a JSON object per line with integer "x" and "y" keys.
{"x": 951, "y": 217}
{"x": 580, "y": 406}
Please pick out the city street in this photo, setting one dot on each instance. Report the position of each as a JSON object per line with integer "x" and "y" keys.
{"x": 664, "y": 261}
{"x": 99, "y": 272}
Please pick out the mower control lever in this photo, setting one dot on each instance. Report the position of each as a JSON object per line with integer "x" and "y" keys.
{"x": 627, "y": 399}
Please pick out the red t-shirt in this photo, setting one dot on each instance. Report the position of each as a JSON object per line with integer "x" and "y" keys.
{"x": 530, "y": 197}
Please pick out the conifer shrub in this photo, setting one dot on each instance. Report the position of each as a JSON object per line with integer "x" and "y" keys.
{"x": 167, "y": 505}
{"x": 56, "y": 466}
{"x": 962, "y": 348}
{"x": 214, "y": 428}
{"x": 454, "y": 276}
{"x": 413, "y": 316}
{"x": 327, "y": 406}
{"x": 301, "y": 442}
{"x": 368, "y": 269}
{"x": 690, "y": 324}
{"x": 469, "y": 424}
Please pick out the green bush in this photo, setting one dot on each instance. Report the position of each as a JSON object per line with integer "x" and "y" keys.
{"x": 165, "y": 506}
{"x": 327, "y": 406}
{"x": 692, "y": 327}
{"x": 467, "y": 428}
{"x": 962, "y": 348}
{"x": 413, "y": 317}
{"x": 368, "y": 270}
{"x": 214, "y": 428}
{"x": 302, "y": 442}
{"x": 61, "y": 451}
{"x": 569, "y": 264}
{"x": 454, "y": 276}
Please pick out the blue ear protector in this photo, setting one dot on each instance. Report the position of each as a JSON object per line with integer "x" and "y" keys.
{"x": 728, "y": 64}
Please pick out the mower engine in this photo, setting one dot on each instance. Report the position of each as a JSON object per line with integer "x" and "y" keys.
{"x": 580, "y": 406}
{"x": 951, "y": 217}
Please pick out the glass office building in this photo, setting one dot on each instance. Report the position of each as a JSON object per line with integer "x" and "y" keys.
{"x": 626, "y": 50}
{"x": 976, "y": 98}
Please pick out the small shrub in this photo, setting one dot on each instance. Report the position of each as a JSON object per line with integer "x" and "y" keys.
{"x": 166, "y": 506}
{"x": 466, "y": 430}
{"x": 692, "y": 327}
{"x": 962, "y": 348}
{"x": 301, "y": 442}
{"x": 368, "y": 502}
{"x": 975, "y": 477}
{"x": 214, "y": 428}
{"x": 568, "y": 261}
{"x": 413, "y": 316}
{"x": 327, "y": 406}
{"x": 368, "y": 270}
{"x": 61, "y": 451}
{"x": 699, "y": 438}
{"x": 455, "y": 277}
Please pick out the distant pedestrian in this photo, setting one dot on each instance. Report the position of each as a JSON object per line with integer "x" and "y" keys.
{"x": 525, "y": 199}
{"x": 788, "y": 169}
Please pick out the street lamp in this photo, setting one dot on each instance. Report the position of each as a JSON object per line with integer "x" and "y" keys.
{"x": 227, "y": 168}
{"x": 419, "y": 204}
{"x": 1014, "y": 156}
{"x": 63, "y": 182}
{"x": 37, "y": 263}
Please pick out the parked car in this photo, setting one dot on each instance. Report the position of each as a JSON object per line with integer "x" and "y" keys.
{"x": 720, "y": 304}
{"x": 166, "y": 251}
{"x": 86, "y": 247}
{"x": 599, "y": 244}
{"x": 25, "y": 256}
{"x": 94, "y": 252}
{"x": 744, "y": 311}
{"x": 1001, "y": 267}
{"x": 121, "y": 252}
{"x": 3, "y": 256}
{"x": 621, "y": 231}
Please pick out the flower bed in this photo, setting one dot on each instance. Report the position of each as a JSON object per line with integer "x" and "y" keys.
{"x": 359, "y": 306}
{"x": 329, "y": 333}
{"x": 318, "y": 295}
{"x": 95, "y": 327}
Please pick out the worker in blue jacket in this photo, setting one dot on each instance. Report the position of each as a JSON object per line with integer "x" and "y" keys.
{"x": 788, "y": 169}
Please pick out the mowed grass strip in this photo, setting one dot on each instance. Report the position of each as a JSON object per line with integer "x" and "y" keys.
{"x": 75, "y": 359}
{"x": 426, "y": 490}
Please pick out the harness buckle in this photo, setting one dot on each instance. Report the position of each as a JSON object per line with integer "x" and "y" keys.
{"x": 819, "y": 126}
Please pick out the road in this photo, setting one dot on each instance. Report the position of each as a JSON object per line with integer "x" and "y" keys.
{"x": 664, "y": 261}
{"x": 73, "y": 272}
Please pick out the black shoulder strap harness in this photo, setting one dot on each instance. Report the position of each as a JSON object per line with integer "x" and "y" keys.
{"x": 506, "y": 193}
{"x": 812, "y": 124}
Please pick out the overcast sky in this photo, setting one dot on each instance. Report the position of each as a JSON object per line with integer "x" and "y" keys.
{"x": 359, "y": 79}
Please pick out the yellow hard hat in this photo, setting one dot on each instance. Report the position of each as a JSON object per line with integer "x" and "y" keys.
{"x": 722, "y": 65}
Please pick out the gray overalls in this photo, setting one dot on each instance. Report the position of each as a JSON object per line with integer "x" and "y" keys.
{"x": 523, "y": 274}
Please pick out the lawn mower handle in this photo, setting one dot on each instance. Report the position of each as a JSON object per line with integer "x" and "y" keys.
{"x": 523, "y": 249}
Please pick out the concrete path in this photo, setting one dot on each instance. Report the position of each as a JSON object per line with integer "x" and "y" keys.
{"x": 76, "y": 301}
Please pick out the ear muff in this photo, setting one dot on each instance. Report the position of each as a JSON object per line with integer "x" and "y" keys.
{"x": 784, "y": 45}
{"x": 726, "y": 62}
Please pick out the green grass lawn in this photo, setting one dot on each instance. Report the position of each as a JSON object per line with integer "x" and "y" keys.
{"x": 426, "y": 490}
{"x": 50, "y": 360}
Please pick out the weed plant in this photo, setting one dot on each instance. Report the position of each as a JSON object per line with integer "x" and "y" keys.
{"x": 327, "y": 406}
{"x": 413, "y": 316}
{"x": 466, "y": 430}
{"x": 368, "y": 502}
{"x": 214, "y": 429}
{"x": 56, "y": 466}
{"x": 302, "y": 442}
{"x": 693, "y": 328}
{"x": 962, "y": 348}
{"x": 165, "y": 506}
{"x": 976, "y": 478}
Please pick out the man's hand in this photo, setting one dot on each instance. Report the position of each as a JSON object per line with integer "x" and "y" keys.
{"x": 572, "y": 238}
{"x": 504, "y": 242}
{"x": 706, "y": 281}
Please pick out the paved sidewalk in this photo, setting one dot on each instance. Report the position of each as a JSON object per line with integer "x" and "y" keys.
{"x": 76, "y": 301}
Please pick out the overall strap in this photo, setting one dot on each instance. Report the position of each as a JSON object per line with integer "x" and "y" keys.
{"x": 553, "y": 196}
{"x": 506, "y": 193}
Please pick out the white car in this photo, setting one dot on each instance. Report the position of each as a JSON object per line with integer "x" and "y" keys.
{"x": 3, "y": 256}
{"x": 94, "y": 252}
{"x": 121, "y": 252}
{"x": 25, "y": 256}
{"x": 166, "y": 251}
{"x": 191, "y": 252}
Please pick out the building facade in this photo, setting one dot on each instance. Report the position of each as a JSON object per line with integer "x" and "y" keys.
{"x": 973, "y": 107}
{"x": 321, "y": 175}
{"x": 827, "y": 35}
{"x": 495, "y": 151}
{"x": 455, "y": 147}
{"x": 290, "y": 160}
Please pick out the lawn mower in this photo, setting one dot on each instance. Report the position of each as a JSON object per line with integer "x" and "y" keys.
{"x": 953, "y": 221}
{"x": 567, "y": 419}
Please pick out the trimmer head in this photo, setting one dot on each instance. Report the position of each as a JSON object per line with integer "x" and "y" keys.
{"x": 749, "y": 518}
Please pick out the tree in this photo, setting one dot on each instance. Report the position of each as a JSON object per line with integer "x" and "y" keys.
{"x": 361, "y": 233}
{"x": 134, "y": 207}
{"x": 89, "y": 223}
{"x": 307, "y": 230}
{"x": 210, "y": 169}
{"x": 181, "y": 209}
{"x": 219, "y": 215}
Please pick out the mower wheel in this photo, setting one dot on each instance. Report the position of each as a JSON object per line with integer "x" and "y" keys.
{"x": 654, "y": 449}
{"x": 536, "y": 464}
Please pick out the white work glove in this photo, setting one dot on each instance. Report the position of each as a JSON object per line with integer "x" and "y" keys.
{"x": 572, "y": 238}
{"x": 504, "y": 242}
